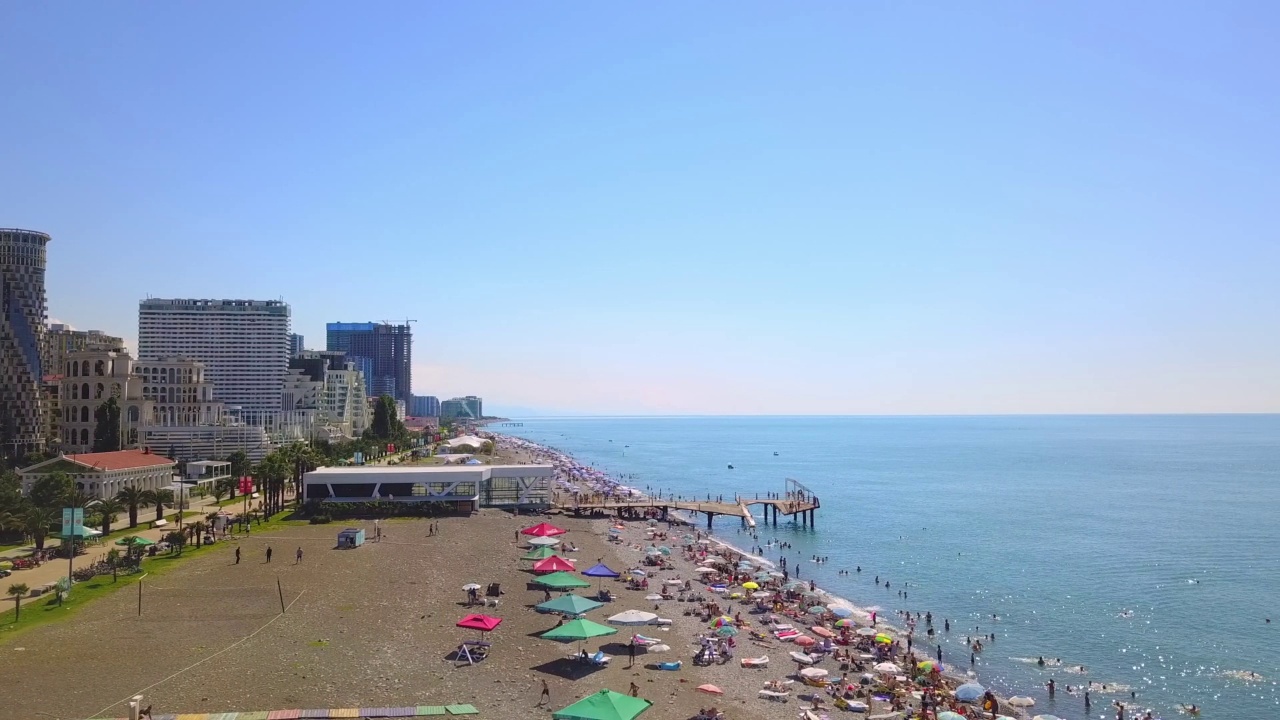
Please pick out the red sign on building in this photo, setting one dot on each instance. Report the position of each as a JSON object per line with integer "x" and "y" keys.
{"x": 246, "y": 484}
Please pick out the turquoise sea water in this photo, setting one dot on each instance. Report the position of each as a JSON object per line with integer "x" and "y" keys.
{"x": 1061, "y": 526}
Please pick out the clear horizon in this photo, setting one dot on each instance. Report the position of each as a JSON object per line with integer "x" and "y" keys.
{"x": 724, "y": 209}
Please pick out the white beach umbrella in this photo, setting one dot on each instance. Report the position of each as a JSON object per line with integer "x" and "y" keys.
{"x": 659, "y": 648}
{"x": 633, "y": 617}
{"x": 813, "y": 673}
{"x": 888, "y": 668}
{"x": 544, "y": 541}
{"x": 703, "y": 570}
{"x": 867, "y": 632}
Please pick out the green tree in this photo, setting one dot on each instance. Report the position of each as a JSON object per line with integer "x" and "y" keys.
{"x": 133, "y": 498}
{"x": 272, "y": 473}
{"x": 160, "y": 499}
{"x": 176, "y": 539}
{"x": 109, "y": 509}
{"x": 106, "y": 431}
{"x": 241, "y": 465}
{"x": 384, "y": 418}
{"x": 52, "y": 490}
{"x": 16, "y": 591}
{"x": 37, "y": 520}
{"x": 221, "y": 488}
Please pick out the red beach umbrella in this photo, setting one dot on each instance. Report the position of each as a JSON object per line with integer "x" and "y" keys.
{"x": 483, "y": 623}
{"x": 543, "y": 530}
{"x": 555, "y": 563}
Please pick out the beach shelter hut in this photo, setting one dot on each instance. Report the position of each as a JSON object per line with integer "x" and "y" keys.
{"x": 577, "y": 631}
{"x": 541, "y": 553}
{"x": 568, "y": 605}
{"x": 555, "y": 563}
{"x": 633, "y": 617}
{"x": 483, "y": 623}
{"x": 561, "y": 581}
{"x": 473, "y": 651}
{"x": 604, "y": 705}
{"x": 543, "y": 530}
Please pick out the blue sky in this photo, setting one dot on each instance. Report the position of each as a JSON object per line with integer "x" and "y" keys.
{"x": 682, "y": 208}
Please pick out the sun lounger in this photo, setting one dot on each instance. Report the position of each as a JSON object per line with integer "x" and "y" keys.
{"x": 661, "y": 621}
{"x": 643, "y": 640}
{"x": 772, "y": 695}
{"x": 670, "y": 665}
{"x": 600, "y": 659}
{"x": 759, "y": 662}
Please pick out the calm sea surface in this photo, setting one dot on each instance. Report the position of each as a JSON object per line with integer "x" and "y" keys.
{"x": 1145, "y": 548}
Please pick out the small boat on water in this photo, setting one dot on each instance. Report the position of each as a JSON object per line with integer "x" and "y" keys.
{"x": 730, "y": 466}
{"x": 775, "y": 453}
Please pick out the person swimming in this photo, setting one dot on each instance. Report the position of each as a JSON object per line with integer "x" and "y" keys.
{"x": 1040, "y": 662}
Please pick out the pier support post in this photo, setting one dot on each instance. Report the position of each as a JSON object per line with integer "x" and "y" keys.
{"x": 813, "y": 516}
{"x": 709, "y": 517}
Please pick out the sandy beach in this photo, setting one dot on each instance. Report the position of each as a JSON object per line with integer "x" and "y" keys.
{"x": 375, "y": 626}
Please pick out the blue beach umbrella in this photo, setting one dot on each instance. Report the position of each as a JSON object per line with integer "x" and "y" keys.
{"x": 969, "y": 692}
{"x": 841, "y": 612}
{"x": 601, "y": 571}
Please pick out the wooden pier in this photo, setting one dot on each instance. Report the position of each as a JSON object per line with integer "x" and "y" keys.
{"x": 798, "y": 500}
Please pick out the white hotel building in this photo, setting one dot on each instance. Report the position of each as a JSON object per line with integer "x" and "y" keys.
{"x": 244, "y": 345}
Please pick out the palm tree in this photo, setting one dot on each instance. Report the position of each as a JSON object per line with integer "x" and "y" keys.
{"x": 16, "y": 591}
{"x": 37, "y": 520}
{"x": 161, "y": 498}
{"x": 109, "y": 508}
{"x": 133, "y": 498}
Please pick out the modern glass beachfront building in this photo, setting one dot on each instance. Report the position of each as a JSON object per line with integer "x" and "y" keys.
{"x": 467, "y": 488}
{"x": 387, "y": 352}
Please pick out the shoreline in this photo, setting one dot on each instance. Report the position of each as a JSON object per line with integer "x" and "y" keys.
{"x": 572, "y": 474}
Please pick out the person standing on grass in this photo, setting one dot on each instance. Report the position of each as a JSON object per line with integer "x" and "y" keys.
{"x": 268, "y": 553}
{"x": 299, "y": 557}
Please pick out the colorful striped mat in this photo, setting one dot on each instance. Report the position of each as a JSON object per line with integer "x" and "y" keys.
{"x": 353, "y": 713}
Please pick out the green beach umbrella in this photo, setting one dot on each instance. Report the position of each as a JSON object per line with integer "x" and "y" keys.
{"x": 604, "y": 705}
{"x": 134, "y": 540}
{"x": 569, "y": 605}
{"x": 541, "y": 553}
{"x": 578, "y": 630}
{"x": 561, "y": 581}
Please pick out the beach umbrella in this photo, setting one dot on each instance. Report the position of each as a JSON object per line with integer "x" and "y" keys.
{"x": 135, "y": 541}
{"x": 840, "y": 611}
{"x": 928, "y": 666}
{"x": 541, "y": 553}
{"x": 544, "y": 541}
{"x": 705, "y": 570}
{"x": 721, "y": 621}
{"x": 471, "y": 586}
{"x": 813, "y": 673}
{"x": 561, "y": 581}
{"x": 866, "y": 632}
{"x": 543, "y": 530}
{"x": 948, "y": 715}
{"x": 821, "y": 631}
{"x": 1046, "y": 717}
{"x": 555, "y": 563}
{"x": 659, "y": 648}
{"x": 483, "y": 623}
{"x": 600, "y": 571}
{"x": 762, "y": 595}
{"x": 604, "y": 705}
{"x": 578, "y": 630}
{"x": 568, "y": 605}
{"x": 969, "y": 692}
{"x": 763, "y": 576}
{"x": 883, "y": 639}
{"x": 1021, "y": 701}
{"x": 687, "y": 538}
{"x": 726, "y": 631}
{"x": 633, "y": 617}
{"x": 888, "y": 668}
{"x": 804, "y": 640}
{"x": 749, "y": 585}
{"x": 817, "y": 610}
{"x": 710, "y": 689}
{"x": 844, "y": 622}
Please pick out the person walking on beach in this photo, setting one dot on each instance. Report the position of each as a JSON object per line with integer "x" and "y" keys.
{"x": 546, "y": 694}
{"x": 298, "y": 557}
{"x": 631, "y": 649}
{"x": 268, "y": 553}
{"x": 237, "y": 556}
{"x": 635, "y": 689}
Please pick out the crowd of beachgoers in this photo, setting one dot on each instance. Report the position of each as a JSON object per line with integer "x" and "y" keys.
{"x": 846, "y": 657}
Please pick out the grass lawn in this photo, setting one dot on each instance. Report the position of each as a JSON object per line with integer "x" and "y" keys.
{"x": 45, "y": 609}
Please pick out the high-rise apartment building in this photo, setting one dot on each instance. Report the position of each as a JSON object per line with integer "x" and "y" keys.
{"x": 332, "y": 386}
{"x": 296, "y": 345}
{"x": 243, "y": 344}
{"x": 424, "y": 406}
{"x": 23, "y": 406}
{"x": 388, "y": 350}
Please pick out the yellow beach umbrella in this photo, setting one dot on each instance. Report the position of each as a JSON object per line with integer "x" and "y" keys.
{"x": 751, "y": 585}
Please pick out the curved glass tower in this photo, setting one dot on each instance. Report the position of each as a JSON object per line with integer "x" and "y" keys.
{"x": 22, "y": 338}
